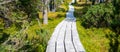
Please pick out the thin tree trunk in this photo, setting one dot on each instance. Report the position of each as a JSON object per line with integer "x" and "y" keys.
{"x": 51, "y": 5}
{"x": 45, "y": 17}
{"x": 93, "y": 2}
{"x": 54, "y": 8}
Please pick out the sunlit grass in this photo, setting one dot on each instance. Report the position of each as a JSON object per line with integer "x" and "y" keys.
{"x": 93, "y": 39}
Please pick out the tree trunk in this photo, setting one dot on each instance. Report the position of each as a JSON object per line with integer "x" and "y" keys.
{"x": 54, "y": 8}
{"x": 75, "y": 1}
{"x": 93, "y": 2}
{"x": 52, "y": 5}
{"x": 100, "y": 1}
{"x": 45, "y": 17}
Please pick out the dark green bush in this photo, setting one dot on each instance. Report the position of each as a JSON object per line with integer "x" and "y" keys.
{"x": 98, "y": 15}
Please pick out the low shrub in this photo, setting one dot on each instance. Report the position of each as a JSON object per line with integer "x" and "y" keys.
{"x": 98, "y": 15}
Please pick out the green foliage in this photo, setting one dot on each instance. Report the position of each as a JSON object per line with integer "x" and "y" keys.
{"x": 2, "y": 49}
{"x": 115, "y": 26}
{"x": 1, "y": 24}
{"x": 34, "y": 38}
{"x": 30, "y": 7}
{"x": 22, "y": 35}
{"x": 1, "y": 28}
{"x": 93, "y": 39}
{"x": 105, "y": 38}
{"x": 91, "y": 36}
{"x": 27, "y": 39}
{"x": 64, "y": 7}
{"x": 98, "y": 15}
{"x": 115, "y": 23}
{"x": 114, "y": 42}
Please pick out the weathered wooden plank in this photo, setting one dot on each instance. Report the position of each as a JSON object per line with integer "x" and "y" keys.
{"x": 51, "y": 47}
{"x": 51, "y": 44}
{"x": 68, "y": 38}
{"x": 76, "y": 41}
{"x": 60, "y": 40}
{"x": 56, "y": 31}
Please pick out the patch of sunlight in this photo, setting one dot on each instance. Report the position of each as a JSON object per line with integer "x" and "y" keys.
{"x": 31, "y": 31}
{"x": 79, "y": 7}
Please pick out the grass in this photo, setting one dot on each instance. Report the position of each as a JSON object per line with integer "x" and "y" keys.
{"x": 93, "y": 39}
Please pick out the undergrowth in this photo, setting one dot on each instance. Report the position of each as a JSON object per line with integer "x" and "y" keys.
{"x": 93, "y": 39}
{"x": 23, "y": 36}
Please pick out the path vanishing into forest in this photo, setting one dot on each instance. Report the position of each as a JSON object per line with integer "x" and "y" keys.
{"x": 65, "y": 37}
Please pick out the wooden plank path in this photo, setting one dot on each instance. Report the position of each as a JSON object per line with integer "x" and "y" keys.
{"x": 65, "y": 37}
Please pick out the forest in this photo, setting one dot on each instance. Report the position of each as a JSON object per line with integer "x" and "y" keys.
{"x": 27, "y": 25}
